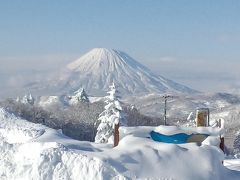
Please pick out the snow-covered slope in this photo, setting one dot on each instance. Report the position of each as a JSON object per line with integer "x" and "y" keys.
{"x": 97, "y": 69}
{"x": 33, "y": 151}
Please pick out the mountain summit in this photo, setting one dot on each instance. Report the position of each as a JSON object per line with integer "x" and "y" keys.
{"x": 98, "y": 68}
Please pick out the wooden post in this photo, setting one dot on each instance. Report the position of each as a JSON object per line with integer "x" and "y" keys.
{"x": 219, "y": 123}
{"x": 116, "y": 134}
{"x": 221, "y": 137}
{"x": 222, "y": 144}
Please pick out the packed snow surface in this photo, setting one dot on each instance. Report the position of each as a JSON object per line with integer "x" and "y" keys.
{"x": 233, "y": 164}
{"x": 33, "y": 151}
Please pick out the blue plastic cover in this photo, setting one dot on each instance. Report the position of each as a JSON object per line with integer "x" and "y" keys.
{"x": 175, "y": 138}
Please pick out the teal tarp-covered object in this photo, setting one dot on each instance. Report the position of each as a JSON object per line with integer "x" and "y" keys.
{"x": 174, "y": 139}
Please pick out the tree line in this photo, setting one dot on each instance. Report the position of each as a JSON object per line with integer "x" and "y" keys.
{"x": 78, "y": 121}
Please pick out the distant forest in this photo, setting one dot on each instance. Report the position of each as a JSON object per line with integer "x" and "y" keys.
{"x": 78, "y": 121}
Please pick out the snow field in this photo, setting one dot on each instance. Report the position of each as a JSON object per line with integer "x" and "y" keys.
{"x": 46, "y": 154}
{"x": 22, "y": 157}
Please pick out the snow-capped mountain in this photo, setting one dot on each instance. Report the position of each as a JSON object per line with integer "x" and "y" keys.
{"x": 98, "y": 68}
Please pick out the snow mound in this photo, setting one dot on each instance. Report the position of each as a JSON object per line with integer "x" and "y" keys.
{"x": 52, "y": 160}
{"x": 46, "y": 154}
{"x": 233, "y": 164}
{"x": 14, "y": 130}
{"x": 27, "y": 152}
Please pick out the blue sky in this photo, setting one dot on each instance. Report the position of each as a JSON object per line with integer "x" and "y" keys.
{"x": 187, "y": 41}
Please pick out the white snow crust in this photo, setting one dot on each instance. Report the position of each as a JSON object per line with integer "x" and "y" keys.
{"x": 33, "y": 151}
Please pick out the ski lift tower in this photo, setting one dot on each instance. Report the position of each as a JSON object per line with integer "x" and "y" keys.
{"x": 165, "y": 107}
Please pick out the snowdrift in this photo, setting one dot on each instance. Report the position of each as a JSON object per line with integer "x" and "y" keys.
{"x": 33, "y": 151}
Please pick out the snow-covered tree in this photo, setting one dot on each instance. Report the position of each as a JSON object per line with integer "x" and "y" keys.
{"x": 27, "y": 99}
{"x": 79, "y": 96}
{"x": 191, "y": 120}
{"x": 236, "y": 144}
{"x": 18, "y": 99}
{"x": 113, "y": 114}
{"x": 82, "y": 95}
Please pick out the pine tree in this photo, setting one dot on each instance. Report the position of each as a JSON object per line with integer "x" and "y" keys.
{"x": 83, "y": 97}
{"x": 191, "y": 121}
{"x": 79, "y": 96}
{"x": 236, "y": 144}
{"x": 30, "y": 99}
{"x": 18, "y": 99}
{"x": 27, "y": 99}
{"x": 113, "y": 114}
